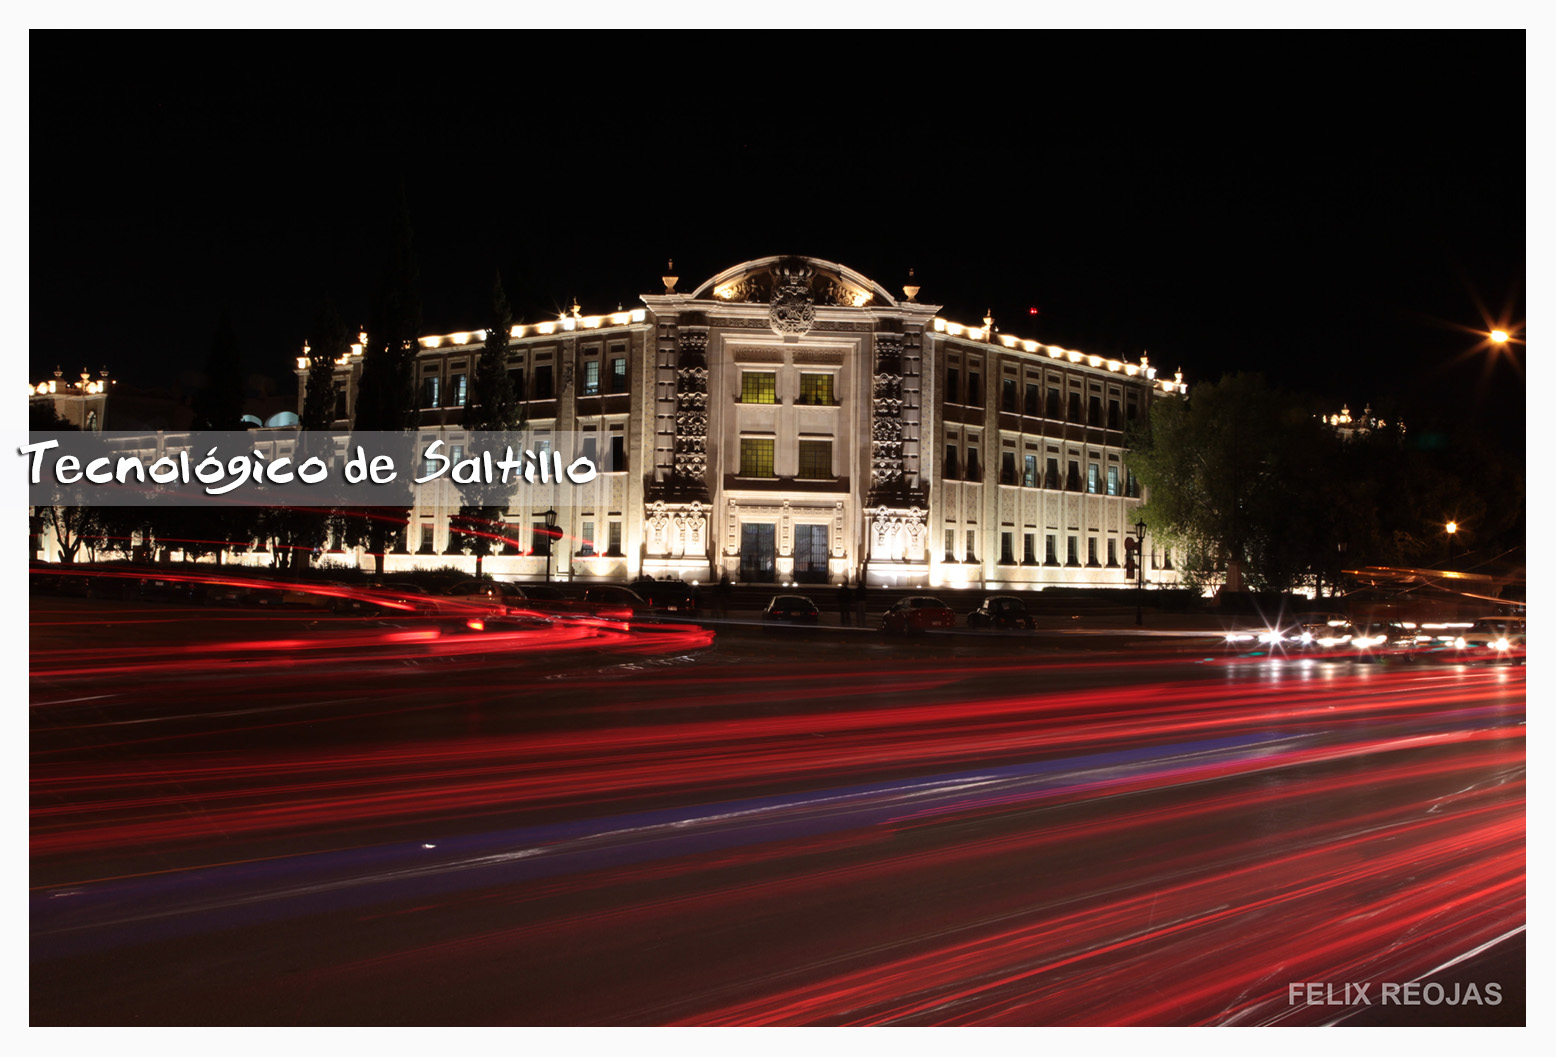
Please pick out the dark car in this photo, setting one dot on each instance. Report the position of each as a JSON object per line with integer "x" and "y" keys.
{"x": 1000, "y": 611}
{"x": 670, "y": 597}
{"x": 918, "y": 613}
{"x": 495, "y": 590}
{"x": 791, "y": 610}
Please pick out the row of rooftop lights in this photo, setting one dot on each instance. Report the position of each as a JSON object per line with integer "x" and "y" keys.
{"x": 577, "y": 321}
{"x": 86, "y": 386}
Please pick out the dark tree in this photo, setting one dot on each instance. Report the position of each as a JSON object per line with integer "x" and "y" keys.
{"x": 493, "y": 410}
{"x": 386, "y": 395}
{"x": 219, "y": 402}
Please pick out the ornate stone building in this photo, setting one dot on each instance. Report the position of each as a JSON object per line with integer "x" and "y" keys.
{"x": 791, "y": 420}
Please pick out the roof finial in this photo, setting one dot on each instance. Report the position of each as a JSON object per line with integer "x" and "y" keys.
{"x": 669, "y": 277}
{"x": 910, "y": 289}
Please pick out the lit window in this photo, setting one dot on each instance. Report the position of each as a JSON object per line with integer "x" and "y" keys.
{"x": 1112, "y": 480}
{"x": 816, "y": 389}
{"x": 816, "y": 459}
{"x": 591, "y": 377}
{"x": 758, "y": 387}
{"x": 619, "y": 374}
{"x": 1093, "y": 477}
{"x": 586, "y": 547}
{"x": 756, "y": 456}
{"x": 1030, "y": 476}
{"x": 461, "y": 388}
{"x": 972, "y": 551}
{"x": 429, "y": 391}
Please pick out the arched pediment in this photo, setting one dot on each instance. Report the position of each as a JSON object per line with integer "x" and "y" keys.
{"x": 826, "y": 282}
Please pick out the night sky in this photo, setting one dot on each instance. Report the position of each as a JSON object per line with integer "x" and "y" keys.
{"x": 1338, "y": 210}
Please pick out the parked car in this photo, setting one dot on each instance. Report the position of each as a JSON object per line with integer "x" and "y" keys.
{"x": 489, "y": 589}
{"x": 668, "y": 596}
{"x": 795, "y": 610}
{"x": 1001, "y": 611}
{"x": 918, "y": 613}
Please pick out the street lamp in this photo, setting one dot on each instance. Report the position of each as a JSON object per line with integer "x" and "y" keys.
{"x": 550, "y": 516}
{"x": 1453, "y": 527}
{"x": 1140, "y": 571}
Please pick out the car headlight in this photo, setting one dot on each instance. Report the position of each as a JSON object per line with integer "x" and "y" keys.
{"x": 1459, "y": 642}
{"x": 1501, "y": 644}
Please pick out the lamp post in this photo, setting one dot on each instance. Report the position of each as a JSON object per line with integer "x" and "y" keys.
{"x": 550, "y": 516}
{"x": 1452, "y": 527}
{"x": 1139, "y": 572}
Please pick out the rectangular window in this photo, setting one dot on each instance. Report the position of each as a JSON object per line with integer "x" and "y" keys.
{"x": 1115, "y": 419}
{"x": 586, "y": 545}
{"x": 950, "y": 470}
{"x": 1031, "y": 399}
{"x": 1052, "y": 480}
{"x": 1093, "y": 477}
{"x": 1053, "y": 402}
{"x": 972, "y": 550}
{"x": 951, "y": 379}
{"x": 816, "y": 389}
{"x": 1050, "y": 549}
{"x": 618, "y": 374}
{"x": 591, "y": 378}
{"x": 429, "y": 391}
{"x": 950, "y": 545}
{"x": 590, "y": 448}
{"x": 427, "y": 465}
{"x": 1029, "y": 548}
{"x": 974, "y": 473}
{"x": 456, "y": 455}
{"x": 974, "y": 389}
{"x": 1094, "y": 411}
{"x": 1007, "y": 549}
{"x": 543, "y": 389}
{"x": 516, "y": 381}
{"x": 1112, "y": 554}
{"x": 615, "y": 538}
{"x": 460, "y": 384}
{"x": 1112, "y": 480}
{"x": 618, "y": 453}
{"x": 1008, "y": 394}
{"x": 1007, "y": 467}
{"x": 816, "y": 459}
{"x": 1132, "y": 486}
{"x": 1072, "y": 551}
{"x": 756, "y": 457}
{"x": 1091, "y": 550}
{"x": 1074, "y": 482}
{"x": 1075, "y": 408}
{"x": 426, "y": 540}
{"x": 758, "y": 387}
{"x": 540, "y": 539}
{"x": 1029, "y": 477}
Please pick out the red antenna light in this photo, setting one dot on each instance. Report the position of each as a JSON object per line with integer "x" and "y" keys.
{"x": 1032, "y": 311}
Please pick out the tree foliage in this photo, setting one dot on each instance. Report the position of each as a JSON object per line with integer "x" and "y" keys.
{"x": 218, "y": 404}
{"x": 492, "y": 409}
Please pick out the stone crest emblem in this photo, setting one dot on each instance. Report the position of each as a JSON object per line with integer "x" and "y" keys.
{"x": 793, "y": 309}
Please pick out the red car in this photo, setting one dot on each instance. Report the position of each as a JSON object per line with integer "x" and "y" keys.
{"x": 918, "y": 613}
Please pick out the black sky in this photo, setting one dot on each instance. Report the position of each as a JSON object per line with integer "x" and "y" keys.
{"x": 1328, "y": 208}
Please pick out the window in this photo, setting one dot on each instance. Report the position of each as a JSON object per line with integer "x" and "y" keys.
{"x": 1029, "y": 477}
{"x": 1074, "y": 482}
{"x": 758, "y": 387}
{"x": 1008, "y": 394}
{"x": 1007, "y": 549}
{"x": 618, "y": 374}
{"x": 816, "y": 459}
{"x": 973, "y": 473}
{"x": 1029, "y": 548}
{"x": 811, "y": 554}
{"x": 974, "y": 389}
{"x": 1052, "y": 480}
{"x": 816, "y": 389}
{"x": 1132, "y": 486}
{"x": 1053, "y": 402}
{"x": 972, "y": 551}
{"x": 1072, "y": 553}
{"x": 586, "y": 545}
{"x": 1094, "y": 411}
{"x": 543, "y": 389}
{"x": 1112, "y": 480}
{"x": 1112, "y": 554}
{"x": 951, "y": 379}
{"x": 1050, "y": 549}
{"x": 950, "y": 462}
{"x": 591, "y": 378}
{"x": 1075, "y": 408}
{"x": 540, "y": 539}
{"x": 1093, "y": 477}
{"x": 950, "y": 545}
{"x": 1091, "y": 550}
{"x": 427, "y": 465}
{"x": 456, "y": 455}
{"x": 1007, "y": 467}
{"x": 589, "y": 447}
{"x": 516, "y": 382}
{"x": 426, "y": 540}
{"x": 509, "y": 545}
{"x": 618, "y": 453}
{"x": 429, "y": 391}
{"x": 615, "y": 538}
{"x": 1115, "y": 421}
{"x": 340, "y": 401}
{"x": 1030, "y": 407}
{"x": 460, "y": 384}
{"x": 756, "y": 457}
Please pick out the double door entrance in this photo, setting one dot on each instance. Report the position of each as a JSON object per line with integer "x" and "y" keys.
{"x": 759, "y": 553}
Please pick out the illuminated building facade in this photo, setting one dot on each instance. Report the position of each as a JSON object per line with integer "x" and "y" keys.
{"x": 790, "y": 420}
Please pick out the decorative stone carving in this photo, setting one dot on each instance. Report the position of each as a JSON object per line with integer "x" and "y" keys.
{"x": 793, "y": 309}
{"x": 690, "y": 467}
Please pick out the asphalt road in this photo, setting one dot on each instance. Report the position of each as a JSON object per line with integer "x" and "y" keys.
{"x": 287, "y": 818}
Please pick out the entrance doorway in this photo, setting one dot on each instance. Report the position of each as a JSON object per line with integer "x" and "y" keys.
{"x": 757, "y": 553}
{"x": 810, "y": 554}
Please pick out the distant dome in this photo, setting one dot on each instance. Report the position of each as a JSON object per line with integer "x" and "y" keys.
{"x": 280, "y": 419}
{"x": 251, "y": 420}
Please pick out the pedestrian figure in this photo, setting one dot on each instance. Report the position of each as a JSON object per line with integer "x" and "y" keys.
{"x": 845, "y": 603}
